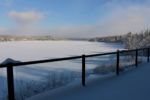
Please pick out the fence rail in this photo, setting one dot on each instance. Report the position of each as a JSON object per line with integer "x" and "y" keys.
{"x": 10, "y": 66}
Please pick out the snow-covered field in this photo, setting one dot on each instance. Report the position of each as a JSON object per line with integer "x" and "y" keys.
{"x": 33, "y": 79}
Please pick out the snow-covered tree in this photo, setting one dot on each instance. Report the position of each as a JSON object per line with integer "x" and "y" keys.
{"x": 137, "y": 40}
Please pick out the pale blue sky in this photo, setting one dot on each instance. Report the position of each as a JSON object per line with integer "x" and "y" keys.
{"x": 73, "y": 18}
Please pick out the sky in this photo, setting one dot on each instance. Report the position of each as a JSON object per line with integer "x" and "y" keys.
{"x": 74, "y": 18}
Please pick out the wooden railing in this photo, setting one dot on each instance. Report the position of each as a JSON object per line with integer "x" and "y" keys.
{"x": 10, "y": 66}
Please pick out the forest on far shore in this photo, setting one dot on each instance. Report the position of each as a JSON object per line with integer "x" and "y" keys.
{"x": 130, "y": 40}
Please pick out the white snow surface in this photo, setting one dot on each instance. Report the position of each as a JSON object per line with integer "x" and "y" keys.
{"x": 129, "y": 85}
{"x": 37, "y": 50}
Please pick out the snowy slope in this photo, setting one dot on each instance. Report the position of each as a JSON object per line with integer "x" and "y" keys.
{"x": 131, "y": 85}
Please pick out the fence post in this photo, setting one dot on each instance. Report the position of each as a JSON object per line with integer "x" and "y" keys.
{"x": 10, "y": 82}
{"x": 83, "y": 70}
{"x": 117, "y": 63}
{"x": 136, "y": 57}
{"x": 148, "y": 50}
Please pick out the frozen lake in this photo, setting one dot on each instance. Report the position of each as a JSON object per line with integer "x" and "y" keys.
{"x": 33, "y": 79}
{"x": 36, "y": 50}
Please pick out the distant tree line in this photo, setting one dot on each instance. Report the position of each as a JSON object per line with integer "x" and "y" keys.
{"x": 4, "y": 38}
{"x": 108, "y": 39}
{"x": 130, "y": 40}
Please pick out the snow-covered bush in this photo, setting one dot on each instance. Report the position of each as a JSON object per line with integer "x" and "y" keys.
{"x": 127, "y": 61}
{"x": 104, "y": 69}
{"x": 25, "y": 89}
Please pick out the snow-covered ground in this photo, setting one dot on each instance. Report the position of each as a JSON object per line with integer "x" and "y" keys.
{"x": 33, "y": 79}
{"x": 130, "y": 85}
